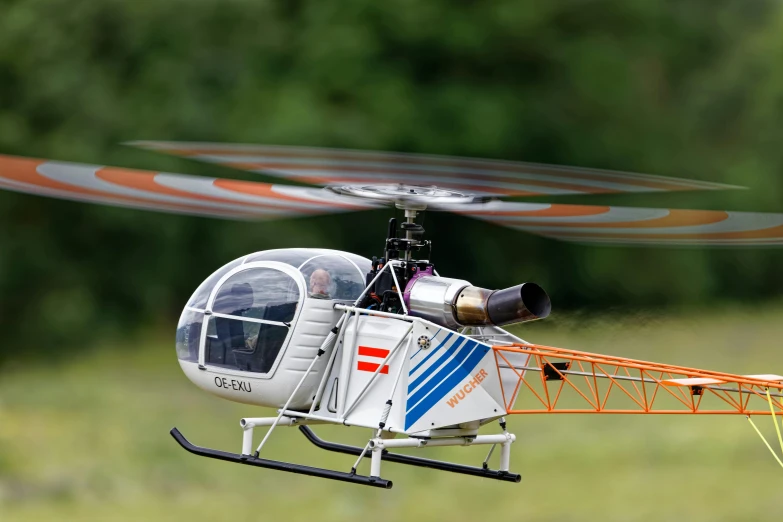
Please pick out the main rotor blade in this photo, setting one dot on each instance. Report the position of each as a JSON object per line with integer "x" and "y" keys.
{"x": 631, "y": 226}
{"x": 177, "y": 193}
{"x": 320, "y": 166}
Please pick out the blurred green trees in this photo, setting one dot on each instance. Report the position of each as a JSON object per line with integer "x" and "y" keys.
{"x": 691, "y": 89}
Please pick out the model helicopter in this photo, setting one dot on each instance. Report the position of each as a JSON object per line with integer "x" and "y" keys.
{"x": 331, "y": 337}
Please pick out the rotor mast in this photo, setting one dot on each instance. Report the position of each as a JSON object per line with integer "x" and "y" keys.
{"x": 410, "y": 226}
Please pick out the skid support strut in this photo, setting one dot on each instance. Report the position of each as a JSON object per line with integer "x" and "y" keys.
{"x": 379, "y": 454}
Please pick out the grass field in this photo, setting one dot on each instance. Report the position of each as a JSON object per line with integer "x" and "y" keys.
{"x": 88, "y": 440}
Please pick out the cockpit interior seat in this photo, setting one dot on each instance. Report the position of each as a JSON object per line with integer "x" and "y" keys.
{"x": 269, "y": 340}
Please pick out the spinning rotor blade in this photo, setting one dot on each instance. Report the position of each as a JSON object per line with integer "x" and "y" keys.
{"x": 629, "y": 225}
{"x": 177, "y": 193}
{"x": 320, "y": 166}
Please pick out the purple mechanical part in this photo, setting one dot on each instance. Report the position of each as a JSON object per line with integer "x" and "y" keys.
{"x": 406, "y": 295}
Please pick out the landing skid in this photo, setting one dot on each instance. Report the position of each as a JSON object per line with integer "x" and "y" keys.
{"x": 279, "y": 466}
{"x": 384, "y": 454}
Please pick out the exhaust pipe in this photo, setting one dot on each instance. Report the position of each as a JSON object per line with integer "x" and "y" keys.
{"x": 481, "y": 307}
{"x": 455, "y": 302}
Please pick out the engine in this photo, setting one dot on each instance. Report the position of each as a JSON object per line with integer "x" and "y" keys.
{"x": 452, "y": 303}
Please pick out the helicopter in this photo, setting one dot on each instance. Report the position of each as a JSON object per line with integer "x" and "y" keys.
{"x": 387, "y": 343}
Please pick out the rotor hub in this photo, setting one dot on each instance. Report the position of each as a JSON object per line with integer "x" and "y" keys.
{"x": 414, "y": 197}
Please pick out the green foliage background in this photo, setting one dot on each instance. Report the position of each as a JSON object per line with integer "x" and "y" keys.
{"x": 691, "y": 89}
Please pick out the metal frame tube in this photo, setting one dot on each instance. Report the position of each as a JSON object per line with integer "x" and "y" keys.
{"x": 505, "y": 456}
{"x": 375, "y": 463}
{"x": 333, "y": 420}
{"x": 399, "y": 290}
{"x": 248, "y": 423}
{"x": 346, "y": 363}
{"x": 285, "y": 407}
{"x": 364, "y": 311}
{"x": 325, "y": 379}
{"x": 504, "y": 439}
{"x": 364, "y": 292}
{"x": 328, "y": 369}
{"x": 261, "y": 422}
{"x": 247, "y": 440}
{"x": 402, "y": 366}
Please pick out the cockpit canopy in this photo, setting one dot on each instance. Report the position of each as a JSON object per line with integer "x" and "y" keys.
{"x": 250, "y": 306}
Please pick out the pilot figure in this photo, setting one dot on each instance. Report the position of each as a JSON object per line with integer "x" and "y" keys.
{"x": 320, "y": 280}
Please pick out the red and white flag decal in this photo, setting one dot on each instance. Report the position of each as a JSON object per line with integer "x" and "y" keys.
{"x": 377, "y": 355}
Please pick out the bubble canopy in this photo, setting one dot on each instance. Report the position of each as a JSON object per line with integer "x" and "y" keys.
{"x": 250, "y": 306}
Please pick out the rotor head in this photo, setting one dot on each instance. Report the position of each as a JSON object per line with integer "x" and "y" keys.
{"x": 406, "y": 196}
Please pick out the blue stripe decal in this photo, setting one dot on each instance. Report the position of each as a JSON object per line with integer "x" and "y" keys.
{"x": 452, "y": 365}
{"x": 444, "y": 341}
{"x": 437, "y": 364}
{"x": 431, "y": 340}
{"x": 446, "y": 386}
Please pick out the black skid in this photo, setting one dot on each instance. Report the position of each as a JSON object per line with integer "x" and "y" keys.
{"x": 412, "y": 461}
{"x": 280, "y": 466}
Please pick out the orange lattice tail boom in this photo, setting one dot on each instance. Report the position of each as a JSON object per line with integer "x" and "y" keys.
{"x": 543, "y": 379}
